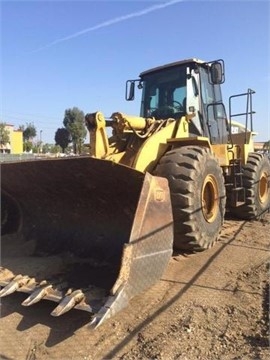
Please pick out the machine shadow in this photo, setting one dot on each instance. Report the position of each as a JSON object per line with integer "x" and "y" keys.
{"x": 60, "y": 328}
{"x": 112, "y": 354}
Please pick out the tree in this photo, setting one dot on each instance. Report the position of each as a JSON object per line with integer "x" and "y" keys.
{"x": 46, "y": 148}
{"x": 29, "y": 132}
{"x": 75, "y": 124}
{"x": 27, "y": 146}
{"x": 4, "y": 134}
{"x": 55, "y": 149}
{"x": 62, "y": 138}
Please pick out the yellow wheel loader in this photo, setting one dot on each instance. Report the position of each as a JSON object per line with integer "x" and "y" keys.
{"x": 92, "y": 232}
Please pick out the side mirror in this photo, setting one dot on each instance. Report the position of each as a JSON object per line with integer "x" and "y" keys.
{"x": 217, "y": 72}
{"x": 130, "y": 90}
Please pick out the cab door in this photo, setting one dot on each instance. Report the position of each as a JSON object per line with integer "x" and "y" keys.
{"x": 213, "y": 109}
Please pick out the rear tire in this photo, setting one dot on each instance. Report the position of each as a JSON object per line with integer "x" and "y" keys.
{"x": 256, "y": 181}
{"x": 198, "y": 196}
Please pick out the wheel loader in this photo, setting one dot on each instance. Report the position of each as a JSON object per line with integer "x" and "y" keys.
{"x": 91, "y": 232}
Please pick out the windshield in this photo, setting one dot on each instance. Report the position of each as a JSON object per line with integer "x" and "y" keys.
{"x": 164, "y": 93}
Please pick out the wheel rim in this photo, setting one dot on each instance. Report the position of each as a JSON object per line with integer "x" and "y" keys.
{"x": 210, "y": 200}
{"x": 263, "y": 188}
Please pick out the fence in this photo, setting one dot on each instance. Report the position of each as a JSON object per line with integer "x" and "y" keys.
{"x": 16, "y": 157}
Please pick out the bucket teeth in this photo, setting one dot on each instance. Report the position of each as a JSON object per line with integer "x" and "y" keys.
{"x": 68, "y": 302}
{"x": 14, "y": 285}
{"x": 37, "y": 295}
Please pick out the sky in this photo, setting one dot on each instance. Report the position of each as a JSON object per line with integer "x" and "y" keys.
{"x": 59, "y": 54}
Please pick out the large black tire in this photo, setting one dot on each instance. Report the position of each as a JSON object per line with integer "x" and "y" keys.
{"x": 256, "y": 181}
{"x": 198, "y": 196}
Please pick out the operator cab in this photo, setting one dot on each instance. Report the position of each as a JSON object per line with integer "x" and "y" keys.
{"x": 164, "y": 93}
{"x": 189, "y": 87}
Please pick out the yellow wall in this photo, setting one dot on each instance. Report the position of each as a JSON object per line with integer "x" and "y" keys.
{"x": 16, "y": 139}
{"x": 15, "y": 145}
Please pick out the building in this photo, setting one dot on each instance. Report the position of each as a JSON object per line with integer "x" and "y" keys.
{"x": 237, "y": 128}
{"x": 15, "y": 144}
{"x": 259, "y": 146}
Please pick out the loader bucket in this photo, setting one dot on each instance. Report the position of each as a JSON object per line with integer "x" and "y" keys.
{"x": 85, "y": 233}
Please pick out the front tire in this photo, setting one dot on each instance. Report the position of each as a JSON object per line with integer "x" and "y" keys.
{"x": 256, "y": 181}
{"x": 197, "y": 194}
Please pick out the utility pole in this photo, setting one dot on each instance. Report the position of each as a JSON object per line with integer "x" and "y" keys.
{"x": 40, "y": 141}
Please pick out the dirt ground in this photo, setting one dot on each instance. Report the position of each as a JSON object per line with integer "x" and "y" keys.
{"x": 212, "y": 305}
